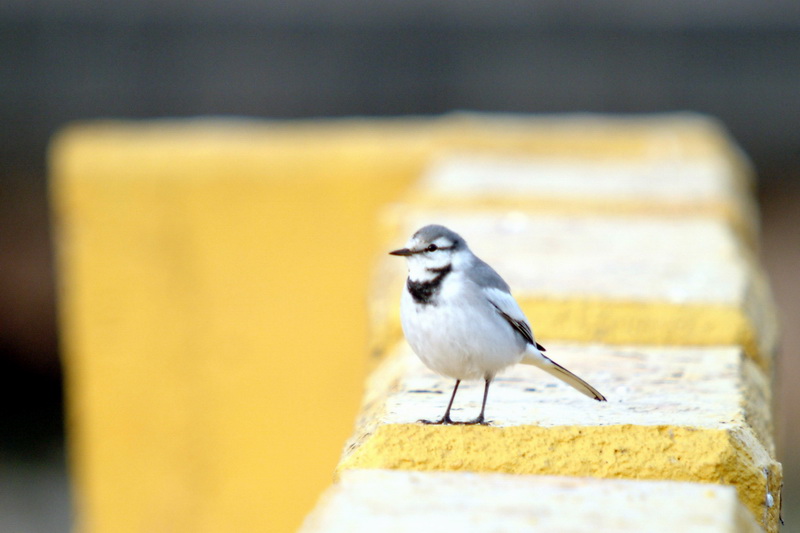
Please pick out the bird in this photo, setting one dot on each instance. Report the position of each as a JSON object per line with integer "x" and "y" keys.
{"x": 459, "y": 317}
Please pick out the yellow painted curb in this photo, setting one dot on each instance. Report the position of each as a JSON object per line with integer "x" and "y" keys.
{"x": 678, "y": 414}
{"x": 382, "y": 500}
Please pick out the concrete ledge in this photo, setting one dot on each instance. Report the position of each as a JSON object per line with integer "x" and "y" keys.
{"x": 677, "y": 414}
{"x": 389, "y": 501}
{"x": 612, "y": 279}
{"x": 176, "y": 239}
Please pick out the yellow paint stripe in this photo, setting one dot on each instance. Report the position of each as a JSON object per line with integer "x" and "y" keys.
{"x": 624, "y": 323}
{"x": 623, "y": 451}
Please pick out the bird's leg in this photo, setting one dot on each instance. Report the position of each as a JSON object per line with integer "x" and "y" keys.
{"x": 481, "y": 420}
{"x": 446, "y": 418}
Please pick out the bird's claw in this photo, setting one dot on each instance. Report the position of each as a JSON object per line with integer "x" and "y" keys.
{"x": 480, "y": 421}
{"x": 446, "y": 421}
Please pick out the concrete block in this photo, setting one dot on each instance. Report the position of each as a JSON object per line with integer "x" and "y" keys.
{"x": 683, "y": 414}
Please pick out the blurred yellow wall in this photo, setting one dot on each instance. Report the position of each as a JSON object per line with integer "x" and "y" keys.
{"x": 212, "y": 287}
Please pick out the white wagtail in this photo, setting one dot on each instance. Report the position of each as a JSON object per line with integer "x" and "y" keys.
{"x": 459, "y": 317}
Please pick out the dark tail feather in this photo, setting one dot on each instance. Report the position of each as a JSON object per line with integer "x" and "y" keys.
{"x": 554, "y": 369}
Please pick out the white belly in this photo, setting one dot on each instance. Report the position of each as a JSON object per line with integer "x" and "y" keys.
{"x": 465, "y": 341}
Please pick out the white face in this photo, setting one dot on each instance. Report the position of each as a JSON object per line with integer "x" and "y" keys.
{"x": 428, "y": 257}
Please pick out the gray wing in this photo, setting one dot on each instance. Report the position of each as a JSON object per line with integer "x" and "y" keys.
{"x": 486, "y": 277}
{"x": 498, "y": 293}
{"x": 507, "y": 307}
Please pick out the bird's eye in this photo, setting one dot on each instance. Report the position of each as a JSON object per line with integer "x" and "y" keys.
{"x": 431, "y": 248}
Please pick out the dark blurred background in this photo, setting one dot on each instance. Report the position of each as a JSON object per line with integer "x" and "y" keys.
{"x": 62, "y": 60}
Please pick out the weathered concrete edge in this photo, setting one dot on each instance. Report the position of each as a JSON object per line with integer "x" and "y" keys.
{"x": 370, "y": 500}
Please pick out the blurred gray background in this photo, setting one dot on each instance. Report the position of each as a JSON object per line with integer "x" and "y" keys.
{"x": 62, "y": 60}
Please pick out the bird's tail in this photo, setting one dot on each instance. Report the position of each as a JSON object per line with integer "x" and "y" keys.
{"x": 538, "y": 359}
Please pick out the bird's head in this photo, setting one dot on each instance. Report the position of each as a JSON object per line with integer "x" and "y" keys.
{"x": 431, "y": 250}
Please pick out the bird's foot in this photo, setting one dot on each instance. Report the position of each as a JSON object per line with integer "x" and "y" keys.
{"x": 445, "y": 421}
{"x": 480, "y": 421}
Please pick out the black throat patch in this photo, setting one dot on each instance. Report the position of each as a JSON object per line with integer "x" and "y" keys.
{"x": 424, "y": 292}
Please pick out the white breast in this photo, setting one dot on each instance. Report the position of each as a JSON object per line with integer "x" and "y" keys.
{"x": 460, "y": 335}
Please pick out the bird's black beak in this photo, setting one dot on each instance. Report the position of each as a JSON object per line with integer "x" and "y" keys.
{"x": 401, "y": 251}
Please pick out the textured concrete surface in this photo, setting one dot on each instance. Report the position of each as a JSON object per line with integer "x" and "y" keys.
{"x": 615, "y": 279}
{"x": 396, "y": 501}
{"x": 680, "y": 414}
